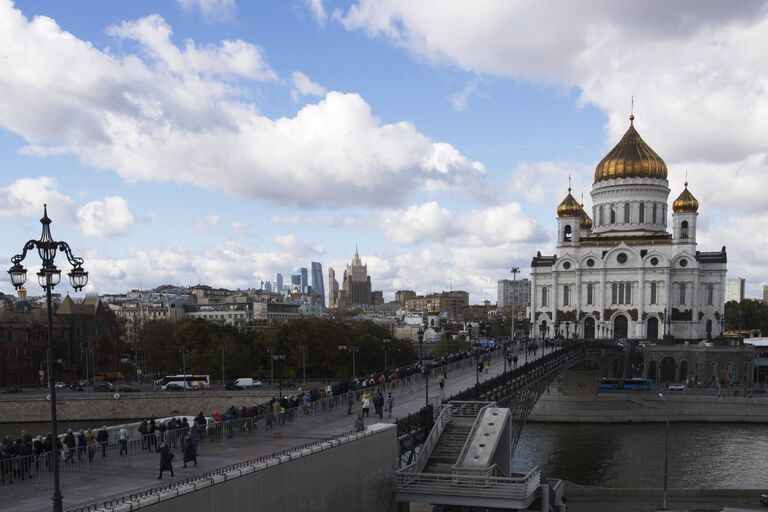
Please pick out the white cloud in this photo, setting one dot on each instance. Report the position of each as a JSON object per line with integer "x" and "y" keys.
{"x": 318, "y": 11}
{"x": 26, "y": 196}
{"x": 488, "y": 227}
{"x": 208, "y": 224}
{"x": 239, "y": 226}
{"x": 212, "y": 11}
{"x": 290, "y": 244}
{"x": 460, "y": 99}
{"x": 318, "y": 220}
{"x": 164, "y": 113}
{"x": 107, "y": 218}
{"x": 696, "y": 69}
{"x": 303, "y": 86}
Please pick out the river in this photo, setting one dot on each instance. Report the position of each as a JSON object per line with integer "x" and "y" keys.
{"x": 701, "y": 455}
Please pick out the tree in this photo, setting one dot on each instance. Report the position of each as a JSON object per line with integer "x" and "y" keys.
{"x": 156, "y": 341}
{"x": 450, "y": 345}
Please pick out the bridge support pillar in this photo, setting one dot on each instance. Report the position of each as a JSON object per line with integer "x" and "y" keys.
{"x": 544, "y": 497}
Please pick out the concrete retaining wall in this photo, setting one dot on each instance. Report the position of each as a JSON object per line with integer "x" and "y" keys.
{"x": 648, "y": 408}
{"x": 352, "y": 476}
{"x": 102, "y": 406}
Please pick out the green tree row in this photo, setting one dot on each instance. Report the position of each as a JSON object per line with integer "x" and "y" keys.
{"x": 746, "y": 315}
{"x": 248, "y": 354}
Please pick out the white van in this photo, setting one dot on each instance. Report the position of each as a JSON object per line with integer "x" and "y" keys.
{"x": 245, "y": 382}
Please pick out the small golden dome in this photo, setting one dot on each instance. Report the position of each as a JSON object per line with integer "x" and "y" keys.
{"x": 586, "y": 220}
{"x": 631, "y": 158}
{"x": 434, "y": 309}
{"x": 569, "y": 207}
{"x": 685, "y": 202}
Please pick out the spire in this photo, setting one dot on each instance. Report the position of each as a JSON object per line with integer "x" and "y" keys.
{"x": 632, "y": 110}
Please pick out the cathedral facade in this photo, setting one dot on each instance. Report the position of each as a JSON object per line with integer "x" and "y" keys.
{"x": 623, "y": 275}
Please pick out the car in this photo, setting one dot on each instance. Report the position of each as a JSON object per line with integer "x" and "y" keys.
{"x": 676, "y": 387}
{"x": 60, "y": 385}
{"x": 103, "y": 387}
{"x": 243, "y": 383}
{"x": 174, "y": 387}
{"x": 127, "y": 387}
{"x": 12, "y": 389}
{"x": 764, "y": 500}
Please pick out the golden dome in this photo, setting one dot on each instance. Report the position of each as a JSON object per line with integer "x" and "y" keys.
{"x": 631, "y": 158}
{"x": 586, "y": 220}
{"x": 569, "y": 207}
{"x": 685, "y": 202}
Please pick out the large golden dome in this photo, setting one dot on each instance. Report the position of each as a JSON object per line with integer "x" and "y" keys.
{"x": 685, "y": 202}
{"x": 631, "y": 158}
{"x": 569, "y": 207}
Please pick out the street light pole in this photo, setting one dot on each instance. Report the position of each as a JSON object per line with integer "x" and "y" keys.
{"x": 385, "y": 343}
{"x": 48, "y": 277}
{"x": 515, "y": 271}
{"x": 666, "y": 452}
{"x": 223, "y": 380}
{"x": 303, "y": 365}
{"x": 183, "y": 351}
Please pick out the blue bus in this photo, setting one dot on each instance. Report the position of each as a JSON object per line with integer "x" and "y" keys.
{"x": 631, "y": 384}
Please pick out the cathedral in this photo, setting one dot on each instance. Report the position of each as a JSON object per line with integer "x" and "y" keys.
{"x": 619, "y": 273}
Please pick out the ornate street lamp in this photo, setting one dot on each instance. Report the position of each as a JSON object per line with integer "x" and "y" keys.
{"x": 48, "y": 277}
{"x": 424, "y": 370}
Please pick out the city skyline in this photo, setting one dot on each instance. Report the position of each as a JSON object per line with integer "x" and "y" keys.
{"x": 201, "y": 141}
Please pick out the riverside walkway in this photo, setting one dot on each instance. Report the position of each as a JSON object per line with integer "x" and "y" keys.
{"x": 117, "y": 476}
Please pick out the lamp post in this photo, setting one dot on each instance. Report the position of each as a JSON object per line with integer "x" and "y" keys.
{"x": 666, "y": 452}
{"x": 385, "y": 346}
{"x": 353, "y": 349}
{"x": 48, "y": 277}
{"x": 183, "y": 351}
{"x": 515, "y": 271}
{"x": 275, "y": 356}
{"x": 303, "y": 365}
{"x": 223, "y": 380}
{"x": 424, "y": 370}
{"x": 477, "y": 373}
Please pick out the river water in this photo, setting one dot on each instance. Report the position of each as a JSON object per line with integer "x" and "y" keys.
{"x": 701, "y": 455}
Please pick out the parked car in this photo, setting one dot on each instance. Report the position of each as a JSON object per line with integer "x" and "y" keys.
{"x": 676, "y": 387}
{"x": 60, "y": 385}
{"x": 12, "y": 389}
{"x": 79, "y": 385}
{"x": 174, "y": 387}
{"x": 128, "y": 387}
{"x": 103, "y": 387}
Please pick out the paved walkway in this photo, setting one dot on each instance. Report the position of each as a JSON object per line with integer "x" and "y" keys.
{"x": 116, "y": 476}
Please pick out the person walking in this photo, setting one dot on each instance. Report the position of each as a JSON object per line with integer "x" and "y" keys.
{"x": 350, "y": 400}
{"x": 69, "y": 442}
{"x": 143, "y": 430}
{"x": 166, "y": 460}
{"x": 122, "y": 437}
{"x": 389, "y": 403}
{"x": 102, "y": 437}
{"x": 90, "y": 443}
{"x": 365, "y": 404}
{"x": 441, "y": 382}
{"x": 80, "y": 441}
{"x": 378, "y": 404}
{"x": 189, "y": 451}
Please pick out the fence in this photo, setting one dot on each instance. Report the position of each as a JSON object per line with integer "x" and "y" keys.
{"x": 85, "y": 459}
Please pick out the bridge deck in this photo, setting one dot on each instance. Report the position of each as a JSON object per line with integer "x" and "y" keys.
{"x": 116, "y": 476}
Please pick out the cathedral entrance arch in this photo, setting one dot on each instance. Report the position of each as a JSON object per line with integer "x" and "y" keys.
{"x": 651, "y": 371}
{"x": 668, "y": 370}
{"x": 589, "y": 328}
{"x": 709, "y": 329}
{"x": 620, "y": 327}
{"x": 543, "y": 329}
{"x": 652, "y": 331}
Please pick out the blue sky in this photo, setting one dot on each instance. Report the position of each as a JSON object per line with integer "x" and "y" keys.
{"x": 219, "y": 141}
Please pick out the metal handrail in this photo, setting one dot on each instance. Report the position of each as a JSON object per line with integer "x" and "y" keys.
{"x": 465, "y": 484}
{"x": 429, "y": 444}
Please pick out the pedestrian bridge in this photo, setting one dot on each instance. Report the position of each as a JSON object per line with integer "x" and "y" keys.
{"x": 466, "y": 458}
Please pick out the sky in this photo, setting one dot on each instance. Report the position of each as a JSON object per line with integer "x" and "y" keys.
{"x": 223, "y": 141}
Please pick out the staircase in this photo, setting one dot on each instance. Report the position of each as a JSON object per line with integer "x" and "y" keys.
{"x": 448, "y": 448}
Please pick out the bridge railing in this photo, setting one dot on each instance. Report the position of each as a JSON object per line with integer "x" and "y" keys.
{"x": 465, "y": 484}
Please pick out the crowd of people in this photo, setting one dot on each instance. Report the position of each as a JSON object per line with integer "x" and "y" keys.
{"x": 25, "y": 455}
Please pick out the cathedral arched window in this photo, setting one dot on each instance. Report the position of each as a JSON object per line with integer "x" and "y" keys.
{"x": 543, "y": 295}
{"x": 641, "y": 216}
{"x": 710, "y": 294}
{"x": 600, "y": 215}
{"x": 621, "y": 294}
{"x": 626, "y": 213}
{"x": 614, "y": 293}
{"x": 589, "y": 293}
{"x": 653, "y": 293}
{"x": 629, "y": 294}
{"x": 653, "y": 214}
{"x": 567, "y": 234}
{"x": 613, "y": 214}
{"x": 682, "y": 293}
{"x": 566, "y": 295}
{"x": 684, "y": 229}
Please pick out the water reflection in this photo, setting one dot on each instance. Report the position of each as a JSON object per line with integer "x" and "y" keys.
{"x": 701, "y": 455}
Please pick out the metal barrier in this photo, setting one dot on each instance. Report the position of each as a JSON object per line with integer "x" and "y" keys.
{"x": 465, "y": 485}
{"x": 223, "y": 474}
